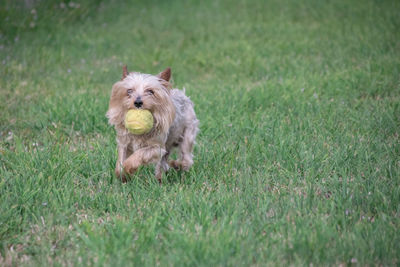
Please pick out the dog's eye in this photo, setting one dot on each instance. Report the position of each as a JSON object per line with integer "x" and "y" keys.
{"x": 130, "y": 91}
{"x": 150, "y": 92}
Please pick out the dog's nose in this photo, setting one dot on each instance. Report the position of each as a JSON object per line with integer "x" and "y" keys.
{"x": 138, "y": 102}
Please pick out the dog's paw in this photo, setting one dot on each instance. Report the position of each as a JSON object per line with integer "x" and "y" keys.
{"x": 180, "y": 165}
{"x": 120, "y": 175}
{"x": 186, "y": 164}
{"x": 130, "y": 167}
{"x": 123, "y": 178}
{"x": 174, "y": 164}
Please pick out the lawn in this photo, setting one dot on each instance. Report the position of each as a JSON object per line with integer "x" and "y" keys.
{"x": 298, "y": 157}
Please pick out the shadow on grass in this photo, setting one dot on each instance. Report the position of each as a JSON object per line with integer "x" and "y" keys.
{"x": 145, "y": 177}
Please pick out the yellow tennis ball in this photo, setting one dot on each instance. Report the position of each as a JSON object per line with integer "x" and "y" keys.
{"x": 138, "y": 121}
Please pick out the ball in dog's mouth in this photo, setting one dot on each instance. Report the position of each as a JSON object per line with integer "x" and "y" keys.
{"x": 139, "y": 121}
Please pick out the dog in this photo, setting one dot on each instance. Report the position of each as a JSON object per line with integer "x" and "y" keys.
{"x": 175, "y": 123}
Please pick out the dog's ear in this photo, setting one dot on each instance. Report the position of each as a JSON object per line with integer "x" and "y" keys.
{"x": 166, "y": 74}
{"x": 124, "y": 72}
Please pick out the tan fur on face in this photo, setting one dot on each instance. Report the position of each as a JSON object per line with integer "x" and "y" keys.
{"x": 175, "y": 123}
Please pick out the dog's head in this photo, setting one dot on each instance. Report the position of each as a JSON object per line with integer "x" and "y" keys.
{"x": 142, "y": 91}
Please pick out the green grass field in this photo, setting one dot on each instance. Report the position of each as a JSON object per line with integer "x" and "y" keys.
{"x": 297, "y": 161}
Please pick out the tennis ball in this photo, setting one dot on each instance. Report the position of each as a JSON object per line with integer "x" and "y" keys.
{"x": 138, "y": 121}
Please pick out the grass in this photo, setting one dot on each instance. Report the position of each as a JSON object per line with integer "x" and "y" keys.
{"x": 297, "y": 161}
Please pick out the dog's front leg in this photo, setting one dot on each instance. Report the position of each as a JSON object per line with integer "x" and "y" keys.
{"x": 143, "y": 156}
{"x": 122, "y": 153}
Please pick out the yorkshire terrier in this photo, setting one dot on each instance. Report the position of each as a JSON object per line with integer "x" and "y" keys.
{"x": 175, "y": 123}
